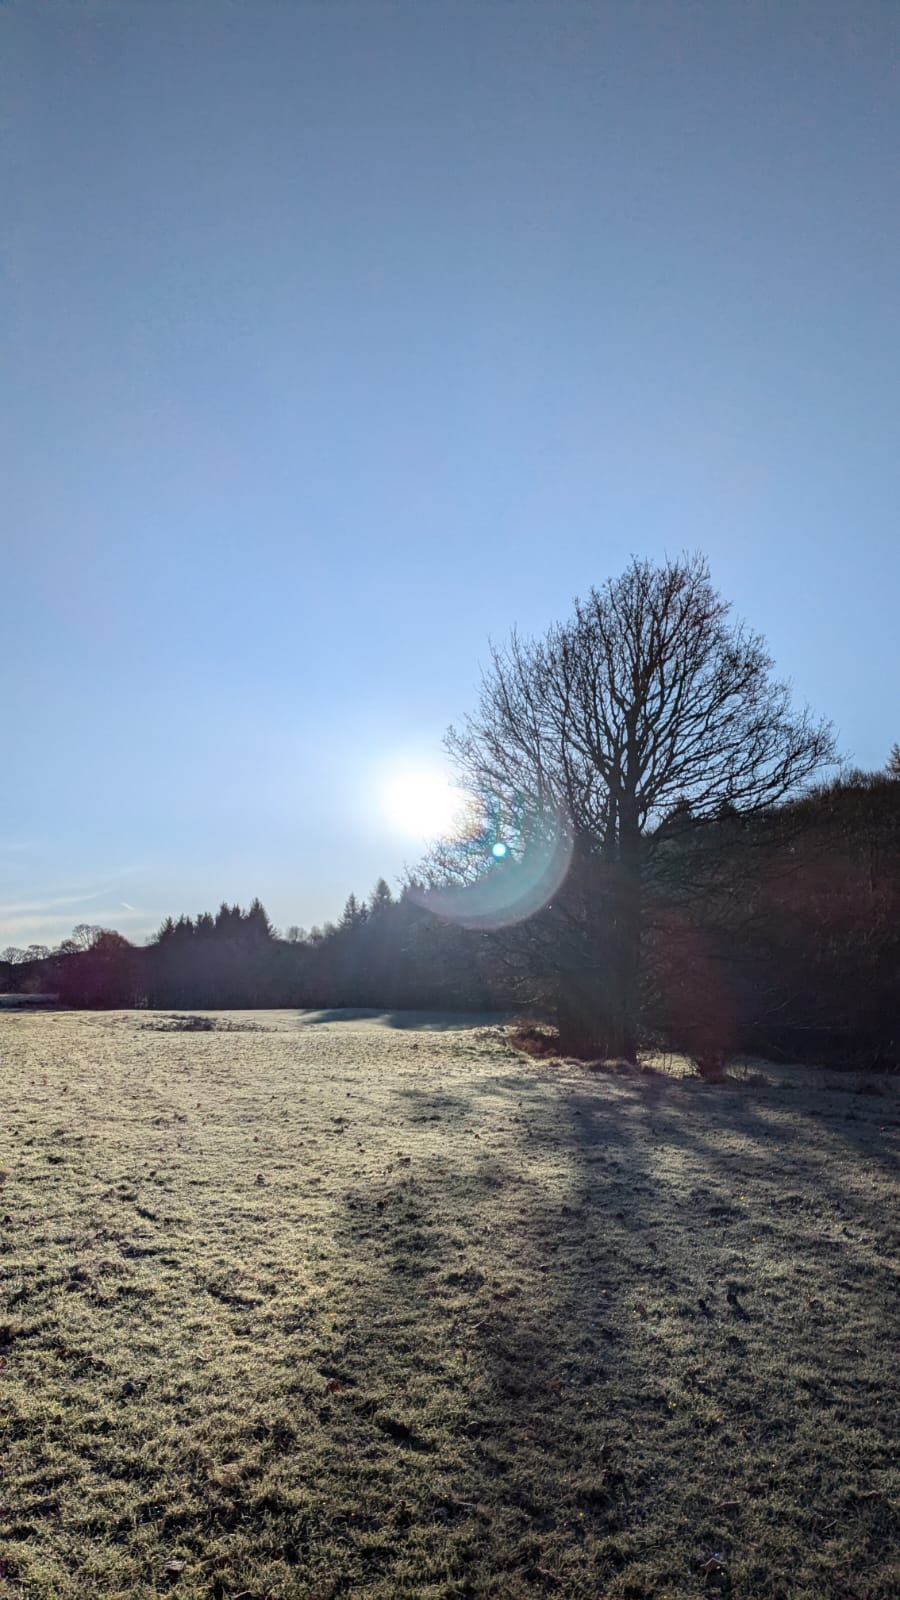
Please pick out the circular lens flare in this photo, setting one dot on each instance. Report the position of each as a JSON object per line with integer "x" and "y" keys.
{"x": 509, "y": 881}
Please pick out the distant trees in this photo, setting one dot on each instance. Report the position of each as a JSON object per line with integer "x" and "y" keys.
{"x": 893, "y": 762}
{"x": 224, "y": 960}
{"x": 391, "y": 953}
{"x": 385, "y": 951}
{"x": 24, "y": 971}
{"x": 101, "y": 973}
{"x": 82, "y": 938}
{"x": 649, "y": 704}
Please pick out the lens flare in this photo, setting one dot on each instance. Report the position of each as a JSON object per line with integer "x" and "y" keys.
{"x": 516, "y": 873}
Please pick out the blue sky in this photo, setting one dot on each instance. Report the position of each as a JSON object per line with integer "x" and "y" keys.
{"x": 337, "y": 338}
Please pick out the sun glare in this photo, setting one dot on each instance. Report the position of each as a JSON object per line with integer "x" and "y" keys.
{"x": 422, "y": 804}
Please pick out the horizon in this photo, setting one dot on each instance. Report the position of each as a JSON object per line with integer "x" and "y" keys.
{"x": 394, "y": 330}
{"x": 295, "y": 933}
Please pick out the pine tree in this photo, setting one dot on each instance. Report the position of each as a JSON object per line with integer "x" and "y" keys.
{"x": 353, "y": 914}
{"x": 257, "y": 921}
{"x": 380, "y": 899}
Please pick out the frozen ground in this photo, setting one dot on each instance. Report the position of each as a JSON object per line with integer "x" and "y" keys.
{"x": 333, "y": 1304}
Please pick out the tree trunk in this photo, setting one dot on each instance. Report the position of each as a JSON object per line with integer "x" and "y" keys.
{"x": 595, "y": 1011}
{"x": 626, "y": 936}
{"x": 597, "y": 996}
{"x": 582, "y": 1019}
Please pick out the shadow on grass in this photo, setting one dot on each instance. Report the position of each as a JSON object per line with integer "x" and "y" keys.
{"x": 496, "y": 1328}
{"x": 606, "y": 1357}
{"x": 418, "y": 1021}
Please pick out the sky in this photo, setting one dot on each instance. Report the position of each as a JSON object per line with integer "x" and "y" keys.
{"x": 337, "y": 339}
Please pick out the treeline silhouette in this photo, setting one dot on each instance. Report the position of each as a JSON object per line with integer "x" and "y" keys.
{"x": 777, "y": 934}
{"x": 386, "y": 951}
{"x": 382, "y": 952}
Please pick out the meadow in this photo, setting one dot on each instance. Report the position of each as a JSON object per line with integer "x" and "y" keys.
{"x": 298, "y": 1306}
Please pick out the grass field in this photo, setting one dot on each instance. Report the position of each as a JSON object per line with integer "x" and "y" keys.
{"x": 308, "y": 1306}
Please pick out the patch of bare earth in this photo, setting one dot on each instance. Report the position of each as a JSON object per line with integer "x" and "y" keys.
{"x": 318, "y": 1306}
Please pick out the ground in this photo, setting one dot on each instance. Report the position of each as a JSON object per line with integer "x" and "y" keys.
{"x": 304, "y": 1306}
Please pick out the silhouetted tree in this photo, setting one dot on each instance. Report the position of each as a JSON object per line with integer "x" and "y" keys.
{"x": 102, "y": 973}
{"x": 256, "y": 923}
{"x": 649, "y": 698}
{"x": 354, "y": 913}
{"x": 83, "y": 937}
{"x": 381, "y": 899}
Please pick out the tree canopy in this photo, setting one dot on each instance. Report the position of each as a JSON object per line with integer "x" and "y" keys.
{"x": 649, "y": 702}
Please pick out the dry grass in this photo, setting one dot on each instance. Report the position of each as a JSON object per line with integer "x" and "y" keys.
{"x": 335, "y": 1307}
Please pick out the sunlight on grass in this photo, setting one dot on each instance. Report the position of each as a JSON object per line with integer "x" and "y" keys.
{"x": 297, "y": 1311}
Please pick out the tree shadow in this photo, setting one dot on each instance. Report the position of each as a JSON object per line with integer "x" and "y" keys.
{"x": 593, "y": 1342}
{"x": 417, "y": 1021}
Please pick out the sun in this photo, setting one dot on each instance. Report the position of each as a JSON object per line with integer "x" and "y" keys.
{"x": 422, "y": 803}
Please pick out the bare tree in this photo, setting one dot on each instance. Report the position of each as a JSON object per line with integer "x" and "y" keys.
{"x": 649, "y": 703}
{"x": 893, "y": 762}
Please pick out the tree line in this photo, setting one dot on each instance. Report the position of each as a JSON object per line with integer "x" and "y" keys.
{"x": 657, "y": 853}
{"x": 384, "y": 951}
